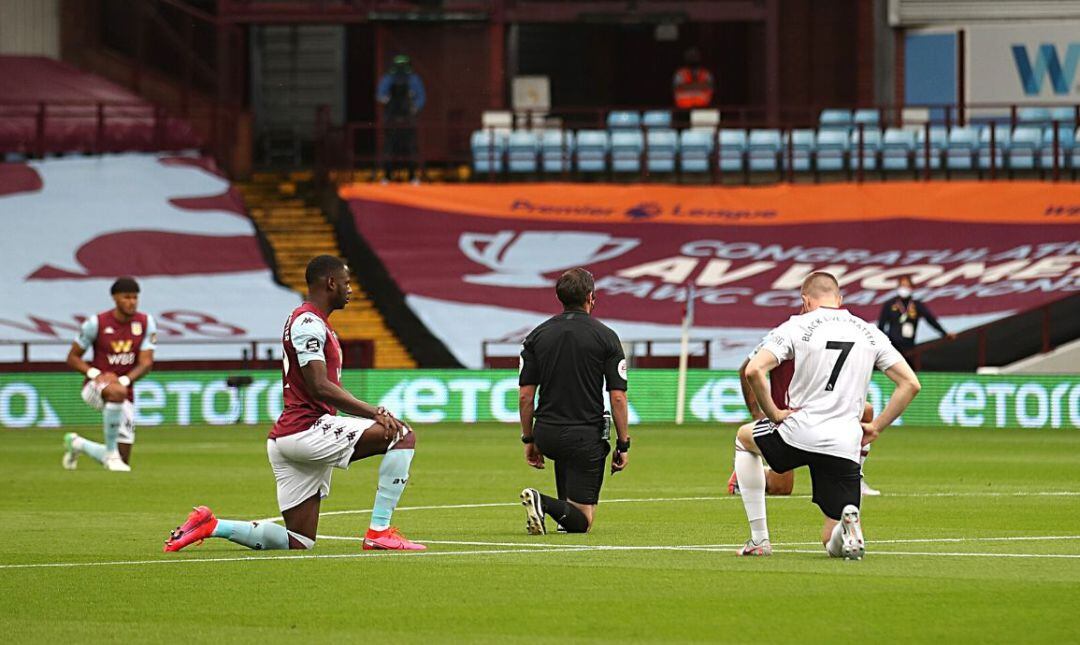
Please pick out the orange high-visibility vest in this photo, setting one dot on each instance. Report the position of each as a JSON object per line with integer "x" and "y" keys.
{"x": 693, "y": 88}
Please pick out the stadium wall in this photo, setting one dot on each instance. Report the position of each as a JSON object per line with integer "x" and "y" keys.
{"x": 51, "y": 400}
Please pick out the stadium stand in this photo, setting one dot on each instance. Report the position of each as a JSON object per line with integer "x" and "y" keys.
{"x": 296, "y": 232}
{"x": 1025, "y": 143}
{"x": 50, "y": 107}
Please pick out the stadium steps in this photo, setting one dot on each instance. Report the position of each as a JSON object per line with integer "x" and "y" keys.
{"x": 297, "y": 231}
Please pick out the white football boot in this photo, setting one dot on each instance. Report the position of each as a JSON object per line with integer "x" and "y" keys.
{"x": 115, "y": 464}
{"x": 534, "y": 514}
{"x": 70, "y": 461}
{"x": 866, "y": 490}
{"x": 853, "y": 547}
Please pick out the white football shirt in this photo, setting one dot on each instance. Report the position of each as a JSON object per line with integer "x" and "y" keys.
{"x": 835, "y": 353}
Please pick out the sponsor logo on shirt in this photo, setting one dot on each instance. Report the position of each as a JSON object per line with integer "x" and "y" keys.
{"x": 312, "y": 345}
{"x": 119, "y": 346}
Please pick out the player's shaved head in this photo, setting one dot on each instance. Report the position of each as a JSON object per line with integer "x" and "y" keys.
{"x": 820, "y": 289}
{"x": 322, "y": 267}
{"x": 819, "y": 284}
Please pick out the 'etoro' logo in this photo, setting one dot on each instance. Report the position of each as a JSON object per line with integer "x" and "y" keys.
{"x": 1046, "y": 63}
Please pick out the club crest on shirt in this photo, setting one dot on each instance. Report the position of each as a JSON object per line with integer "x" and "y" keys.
{"x": 136, "y": 328}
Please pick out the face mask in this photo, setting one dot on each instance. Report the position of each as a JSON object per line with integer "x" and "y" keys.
{"x": 903, "y": 292}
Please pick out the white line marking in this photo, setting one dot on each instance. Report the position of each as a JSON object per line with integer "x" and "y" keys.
{"x": 705, "y": 498}
{"x": 944, "y": 554}
{"x": 253, "y": 558}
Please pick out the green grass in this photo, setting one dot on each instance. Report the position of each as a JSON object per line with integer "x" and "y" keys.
{"x": 936, "y": 483}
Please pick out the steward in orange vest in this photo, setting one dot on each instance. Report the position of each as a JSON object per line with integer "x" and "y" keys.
{"x": 693, "y": 83}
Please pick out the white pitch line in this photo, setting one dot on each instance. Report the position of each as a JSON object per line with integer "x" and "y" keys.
{"x": 944, "y": 554}
{"x": 707, "y": 498}
{"x": 327, "y": 556}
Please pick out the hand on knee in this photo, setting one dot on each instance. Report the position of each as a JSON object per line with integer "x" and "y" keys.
{"x": 114, "y": 393}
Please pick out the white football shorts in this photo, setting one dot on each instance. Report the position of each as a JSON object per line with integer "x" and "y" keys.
{"x": 303, "y": 462}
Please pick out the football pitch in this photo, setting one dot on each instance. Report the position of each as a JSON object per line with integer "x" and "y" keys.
{"x": 975, "y": 538}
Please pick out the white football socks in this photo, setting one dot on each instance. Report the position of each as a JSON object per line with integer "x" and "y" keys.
{"x": 751, "y": 475}
{"x": 835, "y": 545}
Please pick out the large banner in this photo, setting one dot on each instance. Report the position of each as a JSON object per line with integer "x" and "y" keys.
{"x": 469, "y": 396}
{"x": 478, "y": 262}
{"x": 75, "y": 224}
{"x": 1023, "y": 62}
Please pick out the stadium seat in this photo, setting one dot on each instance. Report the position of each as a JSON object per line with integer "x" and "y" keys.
{"x": 897, "y": 148}
{"x": 1001, "y": 146}
{"x": 867, "y": 117}
{"x": 656, "y": 119}
{"x": 832, "y": 147}
{"x": 871, "y": 138}
{"x": 801, "y": 150}
{"x": 1033, "y": 116}
{"x": 1065, "y": 146}
{"x": 939, "y": 137}
{"x": 623, "y": 120}
{"x": 1063, "y": 115}
{"x": 487, "y": 150}
{"x": 835, "y": 120}
{"x": 695, "y": 148}
{"x": 1076, "y": 150}
{"x": 662, "y": 145}
{"x": 960, "y": 148}
{"x": 730, "y": 149}
{"x": 556, "y": 150}
{"x": 626, "y": 149}
{"x": 521, "y": 148}
{"x": 704, "y": 120}
{"x": 1023, "y": 148}
{"x": 763, "y": 150}
{"x": 592, "y": 149}
{"x": 498, "y": 121}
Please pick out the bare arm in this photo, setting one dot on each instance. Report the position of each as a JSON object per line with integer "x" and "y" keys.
{"x": 327, "y": 392}
{"x": 748, "y": 394}
{"x": 143, "y": 366}
{"x": 621, "y": 418}
{"x": 75, "y": 359}
{"x": 907, "y": 386}
{"x": 757, "y": 371}
{"x": 526, "y": 407}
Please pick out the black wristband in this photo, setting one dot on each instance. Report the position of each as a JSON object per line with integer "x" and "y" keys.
{"x": 622, "y": 447}
{"x": 527, "y": 439}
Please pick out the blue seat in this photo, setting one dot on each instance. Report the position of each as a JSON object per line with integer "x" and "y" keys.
{"x": 695, "y": 148}
{"x": 897, "y": 149}
{"x": 592, "y": 149}
{"x": 1065, "y": 146}
{"x": 662, "y": 145}
{"x": 488, "y": 148}
{"x": 763, "y": 150}
{"x": 871, "y": 145}
{"x": 833, "y": 119}
{"x": 623, "y": 120}
{"x": 1024, "y": 146}
{"x": 832, "y": 148}
{"x": 1033, "y": 116}
{"x": 1065, "y": 115}
{"x": 799, "y": 150}
{"x": 939, "y": 137}
{"x": 1076, "y": 150}
{"x": 867, "y": 117}
{"x": 1001, "y": 146}
{"x": 656, "y": 119}
{"x": 960, "y": 148}
{"x": 556, "y": 150}
{"x": 626, "y": 149}
{"x": 730, "y": 149}
{"x": 521, "y": 149}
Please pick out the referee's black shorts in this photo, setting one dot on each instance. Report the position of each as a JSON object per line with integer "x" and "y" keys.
{"x": 579, "y": 454}
{"x": 835, "y": 479}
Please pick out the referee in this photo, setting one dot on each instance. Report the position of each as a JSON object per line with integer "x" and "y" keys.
{"x": 569, "y": 357}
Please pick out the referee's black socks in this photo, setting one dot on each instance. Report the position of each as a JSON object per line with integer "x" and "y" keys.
{"x": 565, "y": 513}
